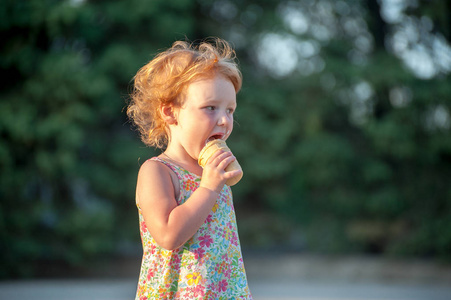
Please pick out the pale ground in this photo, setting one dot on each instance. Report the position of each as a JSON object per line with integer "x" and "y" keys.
{"x": 273, "y": 277}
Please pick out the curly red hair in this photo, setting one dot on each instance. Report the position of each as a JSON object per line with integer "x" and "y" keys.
{"x": 166, "y": 77}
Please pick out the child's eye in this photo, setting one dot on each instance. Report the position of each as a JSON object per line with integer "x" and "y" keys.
{"x": 230, "y": 110}
{"x": 211, "y": 107}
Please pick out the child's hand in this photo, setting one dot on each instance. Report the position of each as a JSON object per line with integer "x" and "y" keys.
{"x": 214, "y": 175}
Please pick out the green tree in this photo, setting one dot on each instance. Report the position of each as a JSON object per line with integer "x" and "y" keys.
{"x": 68, "y": 160}
{"x": 343, "y": 123}
{"x": 344, "y": 120}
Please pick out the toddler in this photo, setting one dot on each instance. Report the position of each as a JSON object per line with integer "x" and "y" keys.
{"x": 183, "y": 98}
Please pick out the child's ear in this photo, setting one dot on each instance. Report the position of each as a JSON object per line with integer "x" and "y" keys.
{"x": 168, "y": 114}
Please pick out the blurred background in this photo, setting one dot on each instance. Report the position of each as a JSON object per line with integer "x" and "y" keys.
{"x": 343, "y": 129}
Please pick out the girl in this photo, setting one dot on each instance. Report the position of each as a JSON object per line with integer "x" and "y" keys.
{"x": 183, "y": 98}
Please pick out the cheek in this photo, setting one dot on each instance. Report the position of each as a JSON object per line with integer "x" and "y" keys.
{"x": 230, "y": 127}
{"x": 212, "y": 119}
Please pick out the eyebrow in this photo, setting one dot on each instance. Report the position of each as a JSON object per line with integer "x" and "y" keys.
{"x": 216, "y": 101}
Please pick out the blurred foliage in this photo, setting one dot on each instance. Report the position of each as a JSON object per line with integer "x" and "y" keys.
{"x": 68, "y": 159}
{"x": 348, "y": 151}
{"x": 354, "y": 152}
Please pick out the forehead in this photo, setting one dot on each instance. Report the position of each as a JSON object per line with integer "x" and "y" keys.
{"x": 217, "y": 88}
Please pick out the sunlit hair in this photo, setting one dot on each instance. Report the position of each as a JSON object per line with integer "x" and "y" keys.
{"x": 165, "y": 78}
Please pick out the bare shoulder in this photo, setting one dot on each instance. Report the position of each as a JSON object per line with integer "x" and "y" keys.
{"x": 152, "y": 169}
{"x": 154, "y": 173}
{"x": 154, "y": 183}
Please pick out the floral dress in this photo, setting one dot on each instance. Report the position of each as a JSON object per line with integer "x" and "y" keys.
{"x": 207, "y": 266}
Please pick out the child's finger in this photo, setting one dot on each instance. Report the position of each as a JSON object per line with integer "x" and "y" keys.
{"x": 218, "y": 157}
{"x": 231, "y": 174}
{"x": 213, "y": 157}
{"x": 227, "y": 161}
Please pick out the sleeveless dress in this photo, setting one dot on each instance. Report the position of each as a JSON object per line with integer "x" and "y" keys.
{"x": 207, "y": 266}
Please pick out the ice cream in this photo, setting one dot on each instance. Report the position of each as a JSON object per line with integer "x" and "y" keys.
{"x": 213, "y": 146}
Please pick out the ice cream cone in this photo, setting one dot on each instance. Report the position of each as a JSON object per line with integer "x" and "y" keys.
{"x": 213, "y": 146}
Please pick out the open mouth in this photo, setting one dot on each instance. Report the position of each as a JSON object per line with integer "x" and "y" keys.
{"x": 214, "y": 137}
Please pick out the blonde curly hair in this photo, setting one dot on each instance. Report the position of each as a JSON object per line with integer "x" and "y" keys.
{"x": 163, "y": 80}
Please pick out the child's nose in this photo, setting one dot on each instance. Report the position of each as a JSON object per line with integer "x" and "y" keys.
{"x": 223, "y": 119}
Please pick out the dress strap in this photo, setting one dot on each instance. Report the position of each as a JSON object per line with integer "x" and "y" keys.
{"x": 177, "y": 171}
{"x": 174, "y": 168}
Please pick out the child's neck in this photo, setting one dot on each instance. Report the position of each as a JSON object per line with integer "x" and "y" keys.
{"x": 184, "y": 161}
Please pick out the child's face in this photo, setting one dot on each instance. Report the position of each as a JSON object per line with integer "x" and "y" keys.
{"x": 206, "y": 113}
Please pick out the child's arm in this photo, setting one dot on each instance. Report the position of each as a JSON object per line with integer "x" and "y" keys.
{"x": 171, "y": 225}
